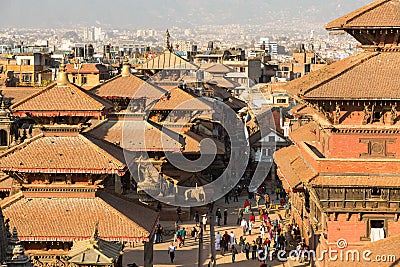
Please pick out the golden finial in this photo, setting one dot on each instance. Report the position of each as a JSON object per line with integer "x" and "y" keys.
{"x": 62, "y": 75}
{"x": 126, "y": 68}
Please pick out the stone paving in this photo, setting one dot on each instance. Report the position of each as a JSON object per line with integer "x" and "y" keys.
{"x": 188, "y": 255}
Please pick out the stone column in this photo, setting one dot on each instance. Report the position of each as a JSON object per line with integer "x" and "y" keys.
{"x": 148, "y": 253}
{"x": 118, "y": 184}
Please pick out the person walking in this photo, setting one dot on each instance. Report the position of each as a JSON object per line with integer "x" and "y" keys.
{"x": 218, "y": 216}
{"x": 232, "y": 238}
{"x": 217, "y": 241}
{"x": 179, "y": 215}
{"x": 253, "y": 250}
{"x": 257, "y": 197}
{"x": 171, "y": 251}
{"x": 240, "y": 216}
{"x": 234, "y": 252}
{"x": 197, "y": 217}
{"x": 247, "y": 250}
{"x": 244, "y": 226}
{"x": 249, "y": 226}
{"x": 262, "y": 231}
{"x": 225, "y": 216}
{"x": 278, "y": 192}
{"x": 266, "y": 200}
{"x": 246, "y": 206}
{"x": 242, "y": 241}
{"x": 205, "y": 222}
{"x": 227, "y": 198}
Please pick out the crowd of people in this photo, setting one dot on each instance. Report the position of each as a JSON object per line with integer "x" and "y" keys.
{"x": 261, "y": 235}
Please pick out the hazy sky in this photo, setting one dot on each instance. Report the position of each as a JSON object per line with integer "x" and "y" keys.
{"x": 166, "y": 13}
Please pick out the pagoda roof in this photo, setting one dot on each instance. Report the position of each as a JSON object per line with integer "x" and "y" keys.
{"x": 130, "y": 87}
{"x": 94, "y": 252}
{"x": 364, "y": 76}
{"x": 137, "y": 135}
{"x": 216, "y": 68}
{"x": 292, "y": 167}
{"x": 64, "y": 154}
{"x": 379, "y": 14}
{"x": 178, "y": 99}
{"x": 61, "y": 100}
{"x": 72, "y": 218}
{"x": 167, "y": 60}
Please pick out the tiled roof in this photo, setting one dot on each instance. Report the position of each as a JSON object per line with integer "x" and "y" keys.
{"x": 218, "y": 68}
{"x": 224, "y": 82}
{"x": 357, "y": 181}
{"x": 292, "y": 167}
{"x": 137, "y": 136}
{"x": 192, "y": 143}
{"x": 56, "y": 100}
{"x": 5, "y": 182}
{"x": 167, "y": 60}
{"x": 15, "y": 94}
{"x": 378, "y": 14}
{"x": 178, "y": 99}
{"x": 305, "y": 133}
{"x": 86, "y": 68}
{"x": 64, "y": 154}
{"x": 94, "y": 252}
{"x": 127, "y": 87}
{"x": 342, "y": 80}
{"x": 72, "y": 218}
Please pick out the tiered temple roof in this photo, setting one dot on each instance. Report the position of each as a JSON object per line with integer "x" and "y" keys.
{"x": 130, "y": 87}
{"x": 61, "y": 100}
{"x": 378, "y": 14}
{"x": 167, "y": 61}
{"x": 64, "y": 154}
{"x": 71, "y": 218}
{"x": 178, "y": 99}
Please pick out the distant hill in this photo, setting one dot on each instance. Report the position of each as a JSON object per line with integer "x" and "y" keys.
{"x": 161, "y": 13}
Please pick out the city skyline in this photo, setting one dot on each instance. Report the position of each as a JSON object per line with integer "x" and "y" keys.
{"x": 161, "y": 14}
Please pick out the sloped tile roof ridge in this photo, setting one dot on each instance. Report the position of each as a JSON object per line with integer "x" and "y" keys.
{"x": 22, "y": 145}
{"x": 33, "y": 95}
{"x": 340, "y": 22}
{"x": 89, "y": 95}
{"x": 120, "y": 214}
{"x": 89, "y": 129}
{"x": 117, "y": 211}
{"x": 358, "y": 61}
{"x": 101, "y": 150}
{"x": 99, "y": 102}
{"x": 106, "y": 82}
{"x": 8, "y": 201}
{"x": 171, "y": 133}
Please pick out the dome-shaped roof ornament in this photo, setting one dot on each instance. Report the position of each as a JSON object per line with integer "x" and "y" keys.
{"x": 62, "y": 75}
{"x": 126, "y": 68}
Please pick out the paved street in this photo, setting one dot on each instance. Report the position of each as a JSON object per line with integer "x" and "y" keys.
{"x": 188, "y": 255}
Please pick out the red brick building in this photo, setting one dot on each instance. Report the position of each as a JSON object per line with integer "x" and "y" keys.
{"x": 343, "y": 170}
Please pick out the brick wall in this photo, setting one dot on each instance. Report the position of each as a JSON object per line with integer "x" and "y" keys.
{"x": 349, "y": 230}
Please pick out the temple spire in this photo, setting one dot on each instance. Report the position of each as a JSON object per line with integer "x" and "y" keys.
{"x": 168, "y": 45}
{"x": 62, "y": 75}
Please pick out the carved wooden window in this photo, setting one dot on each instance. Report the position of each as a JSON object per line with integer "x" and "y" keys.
{"x": 377, "y": 147}
{"x": 376, "y": 192}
